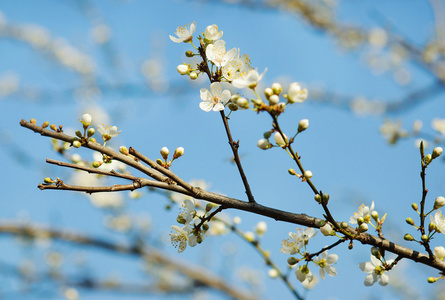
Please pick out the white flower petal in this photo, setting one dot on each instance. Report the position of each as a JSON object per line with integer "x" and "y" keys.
{"x": 206, "y": 106}
{"x": 367, "y": 267}
{"x": 384, "y": 279}
{"x": 370, "y": 279}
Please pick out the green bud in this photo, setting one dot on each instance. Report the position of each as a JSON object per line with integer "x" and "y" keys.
{"x": 257, "y": 101}
{"x": 193, "y": 75}
{"x": 78, "y": 133}
{"x": 180, "y": 220}
{"x": 360, "y": 220}
{"x": 97, "y": 164}
{"x": 45, "y": 124}
{"x": 48, "y": 180}
{"x": 351, "y": 245}
{"x": 34, "y": 121}
{"x": 209, "y": 207}
{"x": 363, "y": 227}
{"x": 376, "y": 252}
{"x": 292, "y": 260}
{"x": 431, "y": 227}
{"x": 437, "y": 152}
{"x": 344, "y": 225}
{"x": 408, "y": 237}
{"x": 199, "y": 239}
{"x": 432, "y": 279}
{"x": 233, "y": 107}
{"x": 160, "y": 162}
{"x": 424, "y": 237}
{"x": 205, "y": 227}
{"x": 91, "y": 132}
{"x": 317, "y": 198}
{"x": 325, "y": 198}
{"x": 276, "y": 88}
{"x": 415, "y": 206}
{"x": 375, "y": 215}
{"x": 189, "y": 53}
{"x": 123, "y": 150}
{"x": 267, "y": 134}
{"x": 53, "y": 127}
{"x": 428, "y": 159}
{"x": 439, "y": 202}
{"x": 268, "y": 92}
{"x": 292, "y": 172}
{"x": 410, "y": 221}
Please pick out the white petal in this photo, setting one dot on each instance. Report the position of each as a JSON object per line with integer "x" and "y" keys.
{"x": 225, "y": 96}
{"x": 204, "y": 93}
{"x": 192, "y": 27}
{"x": 206, "y": 106}
{"x": 384, "y": 279}
{"x": 331, "y": 271}
{"x": 331, "y": 259}
{"x": 218, "y": 107}
{"x": 375, "y": 261}
{"x": 175, "y": 39}
{"x": 192, "y": 241}
{"x": 367, "y": 267}
{"x": 369, "y": 279}
{"x": 322, "y": 273}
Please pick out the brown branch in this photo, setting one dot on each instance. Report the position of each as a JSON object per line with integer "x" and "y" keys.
{"x": 97, "y": 147}
{"x": 197, "y": 273}
{"x": 278, "y": 215}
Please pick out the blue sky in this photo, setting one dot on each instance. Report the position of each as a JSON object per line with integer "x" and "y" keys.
{"x": 347, "y": 154}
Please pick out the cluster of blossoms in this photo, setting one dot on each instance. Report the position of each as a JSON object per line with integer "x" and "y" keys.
{"x": 294, "y": 244}
{"x": 229, "y": 70}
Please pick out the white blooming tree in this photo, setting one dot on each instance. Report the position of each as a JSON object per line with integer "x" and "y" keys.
{"x": 229, "y": 86}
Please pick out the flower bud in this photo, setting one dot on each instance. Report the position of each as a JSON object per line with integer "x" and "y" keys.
{"x": 209, "y": 207}
{"x": 428, "y": 159}
{"x": 193, "y": 75}
{"x": 431, "y": 227}
{"x": 424, "y": 238}
{"x": 268, "y": 92}
{"x": 410, "y": 221}
{"x": 267, "y": 134}
{"x": 344, "y": 225}
{"x": 360, "y": 220}
{"x": 432, "y": 279}
{"x": 160, "y": 162}
{"x": 292, "y": 260}
{"x": 326, "y": 230}
{"x": 325, "y": 198}
{"x": 242, "y": 102}
{"x": 182, "y": 69}
{"x": 178, "y": 152}
{"x": 48, "y": 180}
{"x": 415, "y": 206}
{"x": 205, "y": 227}
{"x": 279, "y": 139}
{"x": 258, "y": 102}
{"x": 33, "y": 121}
{"x": 375, "y": 215}
{"x": 78, "y": 133}
{"x": 76, "y": 144}
{"x": 233, "y": 106}
{"x": 199, "y": 239}
{"x": 261, "y": 228}
{"x": 437, "y": 152}
{"x": 53, "y": 127}
{"x": 123, "y": 150}
{"x": 440, "y": 202}
{"x": 351, "y": 245}
{"x": 276, "y": 88}
{"x": 273, "y": 273}
{"x": 307, "y": 174}
{"x": 274, "y": 99}
{"x": 303, "y": 125}
{"x": 250, "y": 236}
{"x": 97, "y": 164}
{"x": 86, "y": 120}
{"x": 292, "y": 172}
{"x": 189, "y": 53}
{"x": 264, "y": 144}
{"x": 91, "y": 132}
{"x": 408, "y": 237}
{"x": 376, "y": 252}
{"x": 439, "y": 252}
{"x": 317, "y": 198}
{"x": 165, "y": 152}
{"x": 363, "y": 227}
{"x": 45, "y": 124}
{"x": 236, "y": 220}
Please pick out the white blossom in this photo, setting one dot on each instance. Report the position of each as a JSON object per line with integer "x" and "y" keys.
{"x": 108, "y": 131}
{"x": 217, "y": 54}
{"x": 439, "y": 252}
{"x": 296, "y": 93}
{"x": 249, "y": 80}
{"x": 211, "y": 33}
{"x": 279, "y": 139}
{"x": 215, "y": 98}
{"x": 325, "y": 264}
{"x": 184, "y": 33}
{"x": 375, "y": 271}
{"x": 180, "y": 236}
{"x": 303, "y": 273}
{"x": 438, "y": 125}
